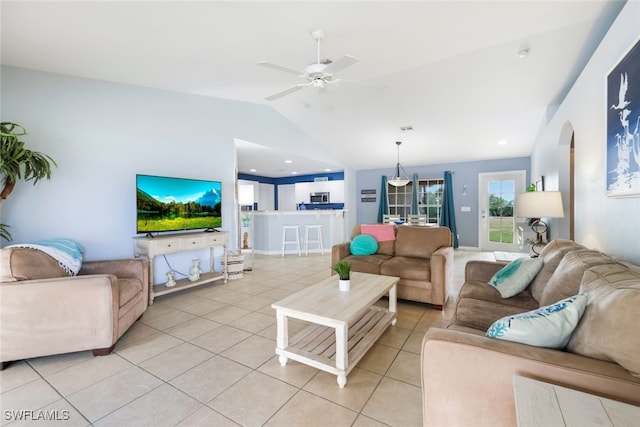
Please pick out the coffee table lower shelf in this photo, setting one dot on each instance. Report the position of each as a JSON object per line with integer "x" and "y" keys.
{"x": 316, "y": 344}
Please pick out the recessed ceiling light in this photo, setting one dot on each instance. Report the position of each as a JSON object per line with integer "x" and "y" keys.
{"x": 294, "y": 173}
{"x": 406, "y": 128}
{"x": 524, "y": 52}
{"x": 327, "y": 170}
{"x": 503, "y": 142}
{"x": 288, "y": 161}
{"x": 252, "y": 170}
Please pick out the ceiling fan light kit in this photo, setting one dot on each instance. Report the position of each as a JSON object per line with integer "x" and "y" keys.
{"x": 318, "y": 74}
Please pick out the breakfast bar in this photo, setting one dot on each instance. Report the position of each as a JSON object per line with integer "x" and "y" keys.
{"x": 268, "y": 228}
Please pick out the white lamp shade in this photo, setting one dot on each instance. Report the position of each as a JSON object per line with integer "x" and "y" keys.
{"x": 398, "y": 182}
{"x": 539, "y": 204}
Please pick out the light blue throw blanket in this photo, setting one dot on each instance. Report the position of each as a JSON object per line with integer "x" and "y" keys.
{"x": 67, "y": 252}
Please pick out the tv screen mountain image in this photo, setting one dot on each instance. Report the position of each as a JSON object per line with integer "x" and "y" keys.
{"x": 172, "y": 204}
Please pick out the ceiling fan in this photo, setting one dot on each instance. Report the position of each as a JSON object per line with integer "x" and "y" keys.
{"x": 319, "y": 74}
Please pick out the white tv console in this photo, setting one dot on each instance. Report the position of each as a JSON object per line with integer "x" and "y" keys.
{"x": 151, "y": 247}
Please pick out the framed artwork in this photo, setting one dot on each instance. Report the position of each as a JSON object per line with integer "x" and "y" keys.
{"x": 540, "y": 184}
{"x": 623, "y": 126}
{"x": 368, "y": 195}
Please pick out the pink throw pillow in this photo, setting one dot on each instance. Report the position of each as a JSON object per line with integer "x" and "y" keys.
{"x": 382, "y": 232}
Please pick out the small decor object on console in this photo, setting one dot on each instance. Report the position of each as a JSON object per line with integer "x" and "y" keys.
{"x": 194, "y": 271}
{"x": 171, "y": 282}
{"x": 343, "y": 269}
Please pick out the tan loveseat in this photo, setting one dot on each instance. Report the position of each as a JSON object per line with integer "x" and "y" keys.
{"x": 44, "y": 311}
{"x": 467, "y": 378}
{"x": 422, "y": 257}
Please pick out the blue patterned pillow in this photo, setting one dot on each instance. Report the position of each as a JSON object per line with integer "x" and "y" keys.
{"x": 363, "y": 244}
{"x": 514, "y": 277}
{"x": 549, "y": 326}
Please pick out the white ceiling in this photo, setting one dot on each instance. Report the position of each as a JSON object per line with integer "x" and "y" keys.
{"x": 450, "y": 69}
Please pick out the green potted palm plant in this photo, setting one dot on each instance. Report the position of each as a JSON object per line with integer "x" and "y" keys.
{"x": 343, "y": 270}
{"x": 19, "y": 163}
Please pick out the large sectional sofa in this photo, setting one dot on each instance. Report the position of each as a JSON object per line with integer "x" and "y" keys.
{"x": 421, "y": 256}
{"x": 467, "y": 378}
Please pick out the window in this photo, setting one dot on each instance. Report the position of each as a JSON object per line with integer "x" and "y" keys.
{"x": 429, "y": 199}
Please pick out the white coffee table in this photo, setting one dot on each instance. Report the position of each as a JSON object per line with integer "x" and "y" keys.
{"x": 344, "y": 325}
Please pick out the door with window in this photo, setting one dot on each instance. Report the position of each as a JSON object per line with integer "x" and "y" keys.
{"x": 497, "y": 194}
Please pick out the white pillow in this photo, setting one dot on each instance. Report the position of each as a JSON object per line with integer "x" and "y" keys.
{"x": 549, "y": 326}
{"x": 514, "y": 277}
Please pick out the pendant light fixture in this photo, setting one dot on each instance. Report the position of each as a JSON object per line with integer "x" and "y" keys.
{"x": 397, "y": 180}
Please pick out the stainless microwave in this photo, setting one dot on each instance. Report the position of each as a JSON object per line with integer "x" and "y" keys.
{"x": 319, "y": 197}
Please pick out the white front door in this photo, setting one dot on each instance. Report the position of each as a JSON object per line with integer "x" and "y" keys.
{"x": 497, "y": 194}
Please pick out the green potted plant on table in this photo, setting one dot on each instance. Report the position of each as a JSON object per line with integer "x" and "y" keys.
{"x": 343, "y": 270}
{"x": 18, "y": 162}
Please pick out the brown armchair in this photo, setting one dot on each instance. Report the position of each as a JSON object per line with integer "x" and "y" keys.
{"x": 44, "y": 311}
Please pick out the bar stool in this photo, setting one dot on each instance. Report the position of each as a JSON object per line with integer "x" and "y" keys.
{"x": 318, "y": 239}
{"x": 296, "y": 237}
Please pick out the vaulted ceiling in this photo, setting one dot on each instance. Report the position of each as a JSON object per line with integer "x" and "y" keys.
{"x": 452, "y": 70}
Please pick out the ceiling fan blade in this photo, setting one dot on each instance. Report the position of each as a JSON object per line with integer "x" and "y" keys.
{"x": 281, "y": 68}
{"x": 340, "y": 64}
{"x": 285, "y": 92}
{"x": 339, "y": 80}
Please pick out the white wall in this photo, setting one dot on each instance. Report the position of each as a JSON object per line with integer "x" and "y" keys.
{"x": 607, "y": 224}
{"x": 101, "y": 134}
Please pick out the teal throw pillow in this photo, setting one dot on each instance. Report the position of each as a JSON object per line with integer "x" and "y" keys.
{"x": 550, "y": 326}
{"x": 514, "y": 277}
{"x": 363, "y": 244}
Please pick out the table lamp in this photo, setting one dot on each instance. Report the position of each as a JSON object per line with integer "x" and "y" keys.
{"x": 537, "y": 205}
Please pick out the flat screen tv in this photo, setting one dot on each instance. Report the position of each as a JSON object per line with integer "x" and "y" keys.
{"x": 176, "y": 204}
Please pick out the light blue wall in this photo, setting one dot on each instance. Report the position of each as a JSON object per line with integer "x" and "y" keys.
{"x": 101, "y": 134}
{"x": 465, "y": 173}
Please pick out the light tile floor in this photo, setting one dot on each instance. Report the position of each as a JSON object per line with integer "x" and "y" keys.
{"x": 205, "y": 357}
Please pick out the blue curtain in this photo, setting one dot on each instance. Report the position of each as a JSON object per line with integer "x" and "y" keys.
{"x": 448, "y": 214}
{"x": 383, "y": 209}
{"x": 414, "y": 196}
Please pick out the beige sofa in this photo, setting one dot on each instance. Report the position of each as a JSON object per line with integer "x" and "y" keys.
{"x": 467, "y": 378}
{"x": 44, "y": 311}
{"x": 422, "y": 257}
